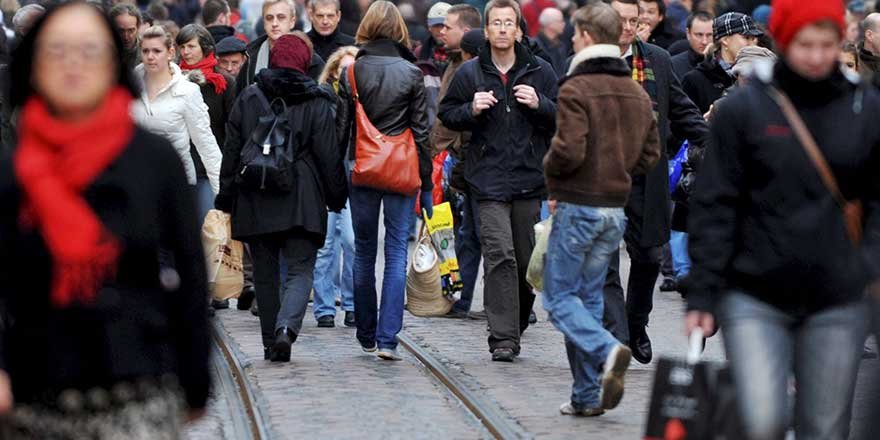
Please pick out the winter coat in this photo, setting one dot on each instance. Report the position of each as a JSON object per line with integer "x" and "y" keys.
{"x": 605, "y": 131}
{"x": 179, "y": 114}
{"x": 319, "y": 176}
{"x": 665, "y": 34}
{"x": 705, "y": 84}
{"x": 557, "y": 53}
{"x": 508, "y": 141}
{"x": 392, "y": 91}
{"x": 136, "y": 328}
{"x": 649, "y": 200}
{"x": 248, "y": 74}
{"x": 761, "y": 218}
{"x": 685, "y": 62}
{"x": 325, "y": 46}
{"x": 868, "y": 62}
{"x": 219, "y": 107}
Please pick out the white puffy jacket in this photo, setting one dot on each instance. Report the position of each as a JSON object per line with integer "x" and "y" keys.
{"x": 179, "y": 114}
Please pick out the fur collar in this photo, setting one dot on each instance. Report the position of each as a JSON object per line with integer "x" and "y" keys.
{"x": 594, "y": 51}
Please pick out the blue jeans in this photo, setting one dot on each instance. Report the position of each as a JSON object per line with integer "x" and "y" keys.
{"x": 579, "y": 249}
{"x": 766, "y": 345}
{"x": 330, "y": 283}
{"x": 204, "y": 198}
{"x": 681, "y": 261}
{"x": 468, "y": 251}
{"x": 397, "y": 209}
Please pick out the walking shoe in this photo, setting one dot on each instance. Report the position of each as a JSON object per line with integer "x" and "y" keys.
{"x": 612, "y": 376}
{"x": 349, "y": 319}
{"x": 568, "y": 409}
{"x": 281, "y": 348}
{"x": 669, "y": 285}
{"x": 503, "y": 355}
{"x": 389, "y": 354}
{"x": 454, "y": 314}
{"x": 327, "y": 321}
{"x": 640, "y": 345}
{"x": 246, "y": 299}
{"x": 255, "y": 310}
{"x": 219, "y": 305}
{"x": 533, "y": 318}
{"x": 478, "y": 316}
{"x": 369, "y": 349}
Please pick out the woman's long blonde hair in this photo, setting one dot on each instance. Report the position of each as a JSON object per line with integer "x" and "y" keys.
{"x": 332, "y": 66}
{"x": 382, "y": 20}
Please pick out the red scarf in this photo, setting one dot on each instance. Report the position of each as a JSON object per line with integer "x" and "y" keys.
{"x": 206, "y": 65}
{"x": 55, "y": 161}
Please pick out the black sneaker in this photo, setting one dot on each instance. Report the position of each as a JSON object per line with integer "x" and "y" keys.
{"x": 327, "y": 321}
{"x": 669, "y": 285}
{"x": 349, "y": 320}
{"x": 219, "y": 305}
{"x": 503, "y": 355}
{"x": 454, "y": 314}
{"x": 281, "y": 348}
{"x": 246, "y": 299}
{"x": 533, "y": 318}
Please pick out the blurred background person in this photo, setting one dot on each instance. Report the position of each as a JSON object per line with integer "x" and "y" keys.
{"x": 661, "y": 31}
{"x": 127, "y": 19}
{"x": 849, "y": 57}
{"x": 231, "y": 55}
{"x": 699, "y": 37}
{"x": 390, "y": 88}
{"x": 551, "y": 40}
{"x": 100, "y": 347}
{"x": 173, "y": 107}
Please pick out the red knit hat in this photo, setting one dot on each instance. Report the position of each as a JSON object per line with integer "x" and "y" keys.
{"x": 290, "y": 52}
{"x": 790, "y": 16}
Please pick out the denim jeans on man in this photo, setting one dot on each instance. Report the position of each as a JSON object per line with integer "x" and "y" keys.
{"x": 331, "y": 283}
{"x": 766, "y": 345}
{"x": 582, "y": 241}
{"x": 397, "y": 209}
{"x": 468, "y": 251}
{"x": 678, "y": 246}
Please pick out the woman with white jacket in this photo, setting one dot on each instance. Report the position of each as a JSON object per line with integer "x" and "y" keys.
{"x": 173, "y": 107}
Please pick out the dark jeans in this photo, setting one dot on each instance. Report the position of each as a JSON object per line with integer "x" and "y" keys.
{"x": 507, "y": 236}
{"x": 282, "y": 307}
{"x": 621, "y": 317}
{"x": 397, "y": 210}
{"x": 468, "y": 251}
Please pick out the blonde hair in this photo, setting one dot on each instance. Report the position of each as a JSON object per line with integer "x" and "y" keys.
{"x": 332, "y": 66}
{"x": 159, "y": 32}
{"x": 289, "y": 3}
{"x": 383, "y": 20}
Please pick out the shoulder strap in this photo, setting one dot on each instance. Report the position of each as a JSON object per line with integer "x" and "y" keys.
{"x": 352, "y": 82}
{"x": 807, "y": 142}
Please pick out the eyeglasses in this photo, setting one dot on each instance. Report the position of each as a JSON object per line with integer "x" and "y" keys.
{"x": 498, "y": 24}
{"x": 89, "y": 52}
{"x": 632, "y": 22}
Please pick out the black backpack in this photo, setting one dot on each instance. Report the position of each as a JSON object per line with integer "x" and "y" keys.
{"x": 268, "y": 155}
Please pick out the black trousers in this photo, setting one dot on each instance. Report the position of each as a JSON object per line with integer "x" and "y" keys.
{"x": 622, "y": 316}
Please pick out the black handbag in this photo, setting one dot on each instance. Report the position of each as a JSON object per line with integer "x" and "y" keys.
{"x": 268, "y": 155}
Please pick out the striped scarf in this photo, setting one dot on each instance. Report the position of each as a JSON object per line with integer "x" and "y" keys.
{"x": 643, "y": 73}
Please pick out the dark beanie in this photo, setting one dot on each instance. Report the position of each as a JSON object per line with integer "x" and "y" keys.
{"x": 473, "y": 41}
{"x": 290, "y": 52}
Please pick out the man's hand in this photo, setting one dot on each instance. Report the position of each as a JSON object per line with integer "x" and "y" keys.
{"x": 526, "y": 95}
{"x": 644, "y": 31}
{"x": 483, "y": 101}
{"x": 5, "y": 393}
{"x": 551, "y": 206}
{"x": 700, "y": 320}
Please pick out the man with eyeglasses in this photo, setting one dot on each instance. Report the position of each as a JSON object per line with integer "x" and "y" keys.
{"x": 648, "y": 210}
{"x": 506, "y": 98}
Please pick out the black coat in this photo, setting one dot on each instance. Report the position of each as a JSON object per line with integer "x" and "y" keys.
{"x": 219, "y": 108}
{"x": 705, "y": 84}
{"x": 761, "y": 218}
{"x": 248, "y": 73}
{"x": 556, "y": 54}
{"x": 318, "y": 165}
{"x": 392, "y": 91}
{"x": 664, "y": 35}
{"x": 676, "y": 115}
{"x": 685, "y": 62}
{"x": 325, "y": 46}
{"x": 136, "y": 328}
{"x": 508, "y": 142}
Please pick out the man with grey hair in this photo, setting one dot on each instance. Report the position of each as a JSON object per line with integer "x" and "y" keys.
{"x": 869, "y": 47}
{"x": 127, "y": 19}
{"x": 550, "y": 39}
{"x": 325, "y": 34}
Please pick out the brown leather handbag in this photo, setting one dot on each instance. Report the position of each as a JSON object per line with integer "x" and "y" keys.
{"x": 388, "y": 163}
{"x": 853, "y": 211}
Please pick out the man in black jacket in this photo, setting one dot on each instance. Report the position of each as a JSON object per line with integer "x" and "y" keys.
{"x": 279, "y": 18}
{"x": 216, "y": 16}
{"x": 507, "y": 98}
{"x": 699, "y": 35}
{"x": 325, "y": 34}
{"x": 647, "y": 212}
{"x": 663, "y": 33}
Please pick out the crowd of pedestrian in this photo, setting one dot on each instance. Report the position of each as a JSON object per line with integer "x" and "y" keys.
{"x": 124, "y": 123}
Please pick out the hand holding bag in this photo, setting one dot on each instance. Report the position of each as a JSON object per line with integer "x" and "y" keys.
{"x": 223, "y": 256}
{"x": 388, "y": 163}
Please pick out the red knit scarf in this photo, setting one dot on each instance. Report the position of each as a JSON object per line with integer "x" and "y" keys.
{"x": 206, "y": 65}
{"x": 55, "y": 161}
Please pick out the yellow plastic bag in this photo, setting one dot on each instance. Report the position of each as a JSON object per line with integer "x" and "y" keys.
{"x": 442, "y": 232}
{"x": 223, "y": 256}
{"x": 535, "y": 273}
